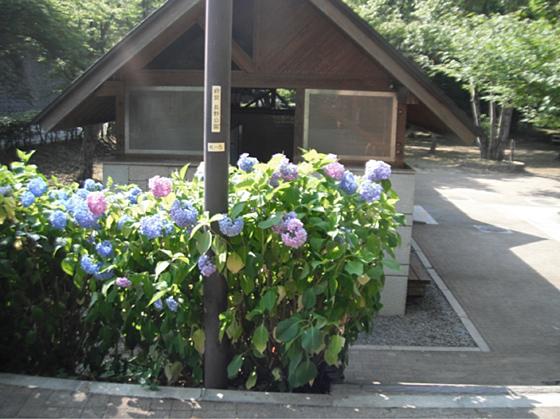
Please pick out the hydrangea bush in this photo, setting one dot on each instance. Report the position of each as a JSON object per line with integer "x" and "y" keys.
{"x": 303, "y": 248}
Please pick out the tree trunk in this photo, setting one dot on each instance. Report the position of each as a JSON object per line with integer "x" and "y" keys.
{"x": 497, "y": 151}
{"x": 89, "y": 140}
{"x": 482, "y": 141}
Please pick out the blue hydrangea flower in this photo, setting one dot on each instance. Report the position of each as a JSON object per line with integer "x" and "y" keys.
{"x": 183, "y": 213}
{"x": 123, "y": 220}
{"x": 274, "y": 180}
{"x": 172, "y": 304}
{"x": 85, "y": 218}
{"x": 158, "y": 304}
{"x": 246, "y": 163}
{"x": 151, "y": 227}
{"x": 231, "y": 227}
{"x": 27, "y": 199}
{"x": 58, "y": 219}
{"x": 105, "y": 275}
{"x": 167, "y": 227}
{"x": 376, "y": 171}
{"x": 370, "y": 192}
{"x": 89, "y": 184}
{"x": 5, "y": 190}
{"x": 348, "y": 183}
{"x": 206, "y": 266}
{"x": 58, "y": 195}
{"x": 133, "y": 193}
{"x": 37, "y": 186}
{"x": 104, "y": 249}
{"x": 89, "y": 265}
{"x": 82, "y": 193}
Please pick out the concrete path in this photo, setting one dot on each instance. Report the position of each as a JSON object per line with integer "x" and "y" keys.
{"x": 495, "y": 247}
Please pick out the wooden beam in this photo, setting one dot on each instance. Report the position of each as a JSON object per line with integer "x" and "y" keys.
{"x": 110, "y": 88}
{"x": 400, "y": 135}
{"x": 257, "y": 80}
{"x": 394, "y": 66}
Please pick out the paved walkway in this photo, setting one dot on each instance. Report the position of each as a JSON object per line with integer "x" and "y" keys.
{"x": 496, "y": 245}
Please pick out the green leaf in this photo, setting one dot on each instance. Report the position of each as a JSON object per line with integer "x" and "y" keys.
{"x": 247, "y": 284}
{"x": 235, "y": 365}
{"x": 235, "y": 263}
{"x": 354, "y": 267}
{"x": 199, "y": 339}
{"x": 309, "y": 298}
{"x": 251, "y": 381}
{"x": 260, "y": 338}
{"x": 173, "y": 371}
{"x": 204, "y": 242}
{"x": 68, "y": 265}
{"x": 304, "y": 373}
{"x": 287, "y": 329}
{"x": 391, "y": 264}
{"x": 161, "y": 266}
{"x": 183, "y": 171}
{"x": 334, "y": 348}
{"x": 237, "y": 209}
{"x": 269, "y": 300}
{"x": 312, "y": 339}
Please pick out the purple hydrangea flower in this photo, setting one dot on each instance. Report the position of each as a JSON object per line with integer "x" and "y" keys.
{"x": 158, "y": 304}
{"x": 183, "y": 213}
{"x": 5, "y": 190}
{"x": 160, "y": 186}
{"x": 37, "y": 186}
{"x": 58, "y": 219}
{"x": 246, "y": 163}
{"x": 348, "y": 183}
{"x": 89, "y": 265}
{"x": 370, "y": 192}
{"x": 206, "y": 266}
{"x": 274, "y": 180}
{"x": 104, "y": 249}
{"x": 282, "y": 227}
{"x": 334, "y": 170}
{"x": 151, "y": 227}
{"x": 295, "y": 235}
{"x": 123, "y": 282}
{"x": 97, "y": 203}
{"x": 27, "y": 199}
{"x": 377, "y": 171}
{"x": 231, "y": 227}
{"x": 289, "y": 172}
{"x": 105, "y": 275}
{"x": 172, "y": 304}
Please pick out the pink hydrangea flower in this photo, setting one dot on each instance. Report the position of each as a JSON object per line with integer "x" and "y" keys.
{"x": 335, "y": 169}
{"x": 295, "y": 235}
{"x": 123, "y": 282}
{"x": 160, "y": 186}
{"x": 96, "y": 203}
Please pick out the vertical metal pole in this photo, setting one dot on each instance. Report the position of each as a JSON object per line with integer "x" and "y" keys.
{"x": 217, "y": 104}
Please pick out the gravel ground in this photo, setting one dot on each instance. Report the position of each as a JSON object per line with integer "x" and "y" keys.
{"x": 429, "y": 321}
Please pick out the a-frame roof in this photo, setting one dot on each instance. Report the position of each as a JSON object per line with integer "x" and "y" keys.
{"x": 83, "y": 102}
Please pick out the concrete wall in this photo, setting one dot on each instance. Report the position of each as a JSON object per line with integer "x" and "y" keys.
{"x": 393, "y": 296}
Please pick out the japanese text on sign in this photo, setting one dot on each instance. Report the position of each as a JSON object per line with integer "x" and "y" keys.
{"x": 216, "y": 108}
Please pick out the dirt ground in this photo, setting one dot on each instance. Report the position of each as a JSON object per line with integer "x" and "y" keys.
{"x": 61, "y": 159}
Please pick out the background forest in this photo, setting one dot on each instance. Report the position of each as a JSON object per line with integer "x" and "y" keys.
{"x": 498, "y": 59}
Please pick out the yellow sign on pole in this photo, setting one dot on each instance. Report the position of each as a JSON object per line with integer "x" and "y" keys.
{"x": 216, "y": 108}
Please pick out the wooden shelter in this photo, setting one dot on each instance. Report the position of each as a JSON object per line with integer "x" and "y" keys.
{"x": 354, "y": 96}
{"x": 355, "y": 93}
